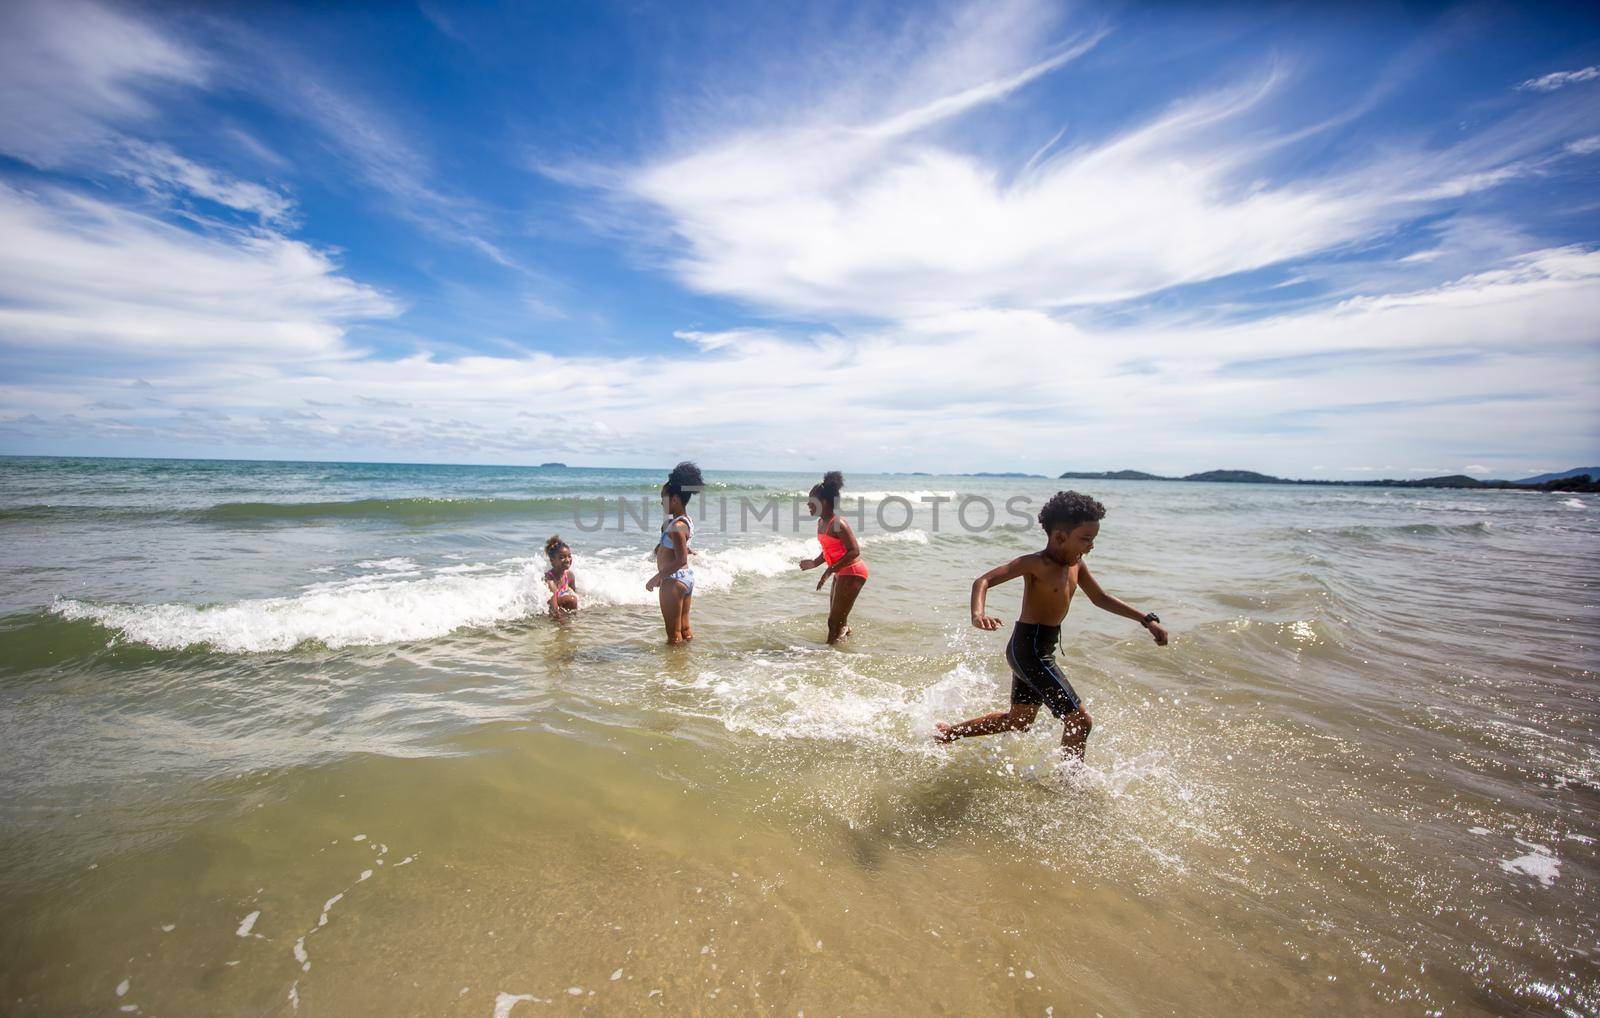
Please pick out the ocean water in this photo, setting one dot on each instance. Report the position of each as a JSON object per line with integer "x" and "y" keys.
{"x": 283, "y": 738}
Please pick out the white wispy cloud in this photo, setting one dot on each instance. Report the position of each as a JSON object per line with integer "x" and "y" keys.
{"x": 885, "y": 216}
{"x": 159, "y": 169}
{"x": 82, "y": 273}
{"x": 80, "y": 80}
{"x": 382, "y": 155}
{"x": 1452, "y": 369}
{"x": 73, "y": 69}
{"x": 1560, "y": 79}
{"x": 873, "y": 204}
{"x": 726, "y": 338}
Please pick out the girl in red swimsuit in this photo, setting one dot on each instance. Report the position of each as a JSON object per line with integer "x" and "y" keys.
{"x": 840, "y": 551}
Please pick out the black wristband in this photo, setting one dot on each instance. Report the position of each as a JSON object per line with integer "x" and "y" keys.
{"x": 1149, "y": 618}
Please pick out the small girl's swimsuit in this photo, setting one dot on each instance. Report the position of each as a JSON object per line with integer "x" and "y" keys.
{"x": 833, "y": 551}
{"x": 1035, "y": 676}
{"x": 563, "y": 582}
{"x": 685, "y": 575}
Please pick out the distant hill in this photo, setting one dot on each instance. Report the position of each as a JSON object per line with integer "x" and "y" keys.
{"x": 1234, "y": 477}
{"x": 1450, "y": 481}
{"x": 1578, "y": 479}
{"x": 1003, "y": 473}
{"x": 1114, "y": 475}
{"x": 1574, "y": 472}
{"x": 552, "y": 466}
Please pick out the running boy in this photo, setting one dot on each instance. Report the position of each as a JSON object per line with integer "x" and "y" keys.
{"x": 1071, "y": 521}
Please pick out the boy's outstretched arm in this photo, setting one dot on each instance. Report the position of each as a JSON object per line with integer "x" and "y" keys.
{"x": 980, "y": 589}
{"x": 1116, "y": 606}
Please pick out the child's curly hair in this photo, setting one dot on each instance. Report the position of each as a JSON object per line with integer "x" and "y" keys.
{"x": 554, "y": 545}
{"x": 828, "y": 489}
{"x": 684, "y": 481}
{"x": 1067, "y": 509}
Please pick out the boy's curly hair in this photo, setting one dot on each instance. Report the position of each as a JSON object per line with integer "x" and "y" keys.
{"x": 1067, "y": 509}
{"x": 684, "y": 481}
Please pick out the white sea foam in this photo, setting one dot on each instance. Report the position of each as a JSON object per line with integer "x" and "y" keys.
{"x": 390, "y": 565}
{"x": 1540, "y": 863}
{"x": 719, "y": 569}
{"x": 914, "y": 497}
{"x": 504, "y": 1002}
{"x": 338, "y": 615}
{"x": 848, "y": 498}
{"x": 322, "y": 920}
{"x": 397, "y": 607}
{"x": 248, "y": 923}
{"x": 786, "y": 698}
{"x": 1573, "y": 503}
{"x": 897, "y": 537}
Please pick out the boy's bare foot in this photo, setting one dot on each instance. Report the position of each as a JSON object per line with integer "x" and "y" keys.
{"x": 942, "y": 732}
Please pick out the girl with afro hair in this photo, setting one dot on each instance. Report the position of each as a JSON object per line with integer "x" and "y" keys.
{"x": 674, "y": 580}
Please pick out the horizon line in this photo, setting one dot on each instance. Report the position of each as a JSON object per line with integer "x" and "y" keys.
{"x": 869, "y": 473}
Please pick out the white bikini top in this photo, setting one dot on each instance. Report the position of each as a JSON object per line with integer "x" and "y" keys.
{"x": 666, "y": 539}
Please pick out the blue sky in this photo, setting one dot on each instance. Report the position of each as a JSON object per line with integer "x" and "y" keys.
{"x": 1314, "y": 240}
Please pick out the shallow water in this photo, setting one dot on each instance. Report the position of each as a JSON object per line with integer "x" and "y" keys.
{"x": 295, "y": 738}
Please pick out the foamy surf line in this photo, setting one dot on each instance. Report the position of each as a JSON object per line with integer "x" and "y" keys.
{"x": 397, "y": 608}
{"x": 849, "y": 498}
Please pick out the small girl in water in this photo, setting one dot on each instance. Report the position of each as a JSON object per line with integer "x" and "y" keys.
{"x": 840, "y": 551}
{"x": 558, "y": 579}
{"x": 674, "y": 578}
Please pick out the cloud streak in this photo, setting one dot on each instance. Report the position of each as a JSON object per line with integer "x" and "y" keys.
{"x": 1560, "y": 79}
{"x": 74, "y": 69}
{"x": 160, "y": 170}
{"x": 890, "y": 218}
{"x": 81, "y": 273}
{"x": 893, "y": 254}
{"x": 966, "y": 390}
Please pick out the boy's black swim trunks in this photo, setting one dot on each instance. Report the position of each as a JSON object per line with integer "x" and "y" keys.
{"x": 1035, "y": 678}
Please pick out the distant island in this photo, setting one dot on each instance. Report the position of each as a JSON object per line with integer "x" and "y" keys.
{"x": 552, "y": 466}
{"x": 1579, "y": 479}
